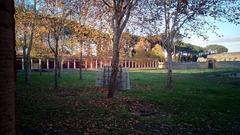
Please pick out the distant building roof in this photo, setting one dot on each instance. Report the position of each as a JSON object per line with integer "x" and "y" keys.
{"x": 233, "y": 56}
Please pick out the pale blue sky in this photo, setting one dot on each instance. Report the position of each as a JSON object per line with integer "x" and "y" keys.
{"x": 230, "y": 38}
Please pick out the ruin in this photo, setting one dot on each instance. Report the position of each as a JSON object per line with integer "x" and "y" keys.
{"x": 104, "y": 74}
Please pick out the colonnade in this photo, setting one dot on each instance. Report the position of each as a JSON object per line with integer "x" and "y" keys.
{"x": 91, "y": 63}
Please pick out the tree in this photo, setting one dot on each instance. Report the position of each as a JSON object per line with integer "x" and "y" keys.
{"x": 7, "y": 71}
{"x": 40, "y": 50}
{"x": 26, "y": 24}
{"x": 186, "y": 48}
{"x": 142, "y": 48}
{"x": 216, "y": 48}
{"x": 158, "y": 52}
{"x": 183, "y": 17}
{"x": 55, "y": 20}
{"x": 120, "y": 11}
{"x": 80, "y": 9}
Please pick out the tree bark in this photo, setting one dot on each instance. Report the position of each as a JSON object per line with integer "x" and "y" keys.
{"x": 56, "y": 72}
{"x": 56, "y": 64}
{"x": 115, "y": 62}
{"x": 59, "y": 67}
{"x": 7, "y": 69}
{"x": 40, "y": 70}
{"x": 169, "y": 82}
{"x": 27, "y": 67}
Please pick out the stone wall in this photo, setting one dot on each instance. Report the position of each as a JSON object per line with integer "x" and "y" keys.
{"x": 228, "y": 64}
{"x": 202, "y": 65}
{"x": 189, "y": 65}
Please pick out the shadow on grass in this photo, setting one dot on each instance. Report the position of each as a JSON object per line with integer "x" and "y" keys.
{"x": 202, "y": 102}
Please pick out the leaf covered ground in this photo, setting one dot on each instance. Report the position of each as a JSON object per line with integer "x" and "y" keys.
{"x": 202, "y": 102}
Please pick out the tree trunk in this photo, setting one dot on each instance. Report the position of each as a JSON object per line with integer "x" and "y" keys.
{"x": 56, "y": 65}
{"x": 179, "y": 57}
{"x": 7, "y": 70}
{"x": 115, "y": 62}
{"x": 59, "y": 67}
{"x": 174, "y": 50}
{"x": 169, "y": 84}
{"x": 27, "y": 67}
{"x": 56, "y": 72}
{"x": 80, "y": 63}
{"x": 28, "y": 51}
{"x": 40, "y": 70}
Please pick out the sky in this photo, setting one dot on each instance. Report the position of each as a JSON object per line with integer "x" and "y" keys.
{"x": 230, "y": 37}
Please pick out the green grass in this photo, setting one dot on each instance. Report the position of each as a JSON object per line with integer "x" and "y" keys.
{"x": 202, "y": 102}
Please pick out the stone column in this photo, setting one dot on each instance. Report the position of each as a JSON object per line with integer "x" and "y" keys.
{"x": 86, "y": 66}
{"x": 47, "y": 64}
{"x": 128, "y": 63}
{"x": 31, "y": 63}
{"x": 151, "y": 64}
{"x": 39, "y": 64}
{"x": 74, "y": 64}
{"x": 68, "y": 64}
{"x": 91, "y": 66}
{"x": 62, "y": 64}
{"x": 22, "y": 64}
{"x": 101, "y": 64}
{"x": 96, "y": 64}
{"x": 125, "y": 63}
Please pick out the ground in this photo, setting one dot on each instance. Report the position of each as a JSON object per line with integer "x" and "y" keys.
{"x": 202, "y": 102}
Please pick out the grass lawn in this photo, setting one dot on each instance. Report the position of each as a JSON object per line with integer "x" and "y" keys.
{"x": 202, "y": 102}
